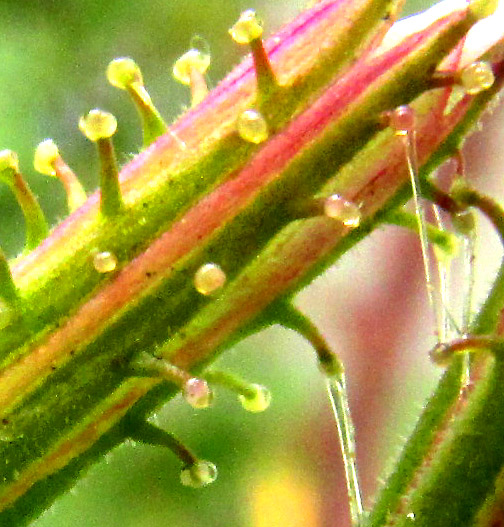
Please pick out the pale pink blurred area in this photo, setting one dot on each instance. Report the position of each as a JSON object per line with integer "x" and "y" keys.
{"x": 372, "y": 307}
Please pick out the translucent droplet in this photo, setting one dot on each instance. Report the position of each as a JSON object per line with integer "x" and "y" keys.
{"x": 402, "y": 120}
{"x": 342, "y": 210}
{"x": 104, "y": 262}
{"x": 98, "y": 124}
{"x": 194, "y": 58}
{"x": 123, "y": 72}
{"x": 208, "y": 278}
{"x": 197, "y": 393}
{"x": 45, "y": 155}
{"x": 252, "y": 127}
{"x": 411, "y": 516}
{"x": 199, "y": 474}
{"x": 9, "y": 159}
{"x": 477, "y": 77}
{"x": 259, "y": 402}
{"x": 247, "y": 28}
{"x": 6, "y": 314}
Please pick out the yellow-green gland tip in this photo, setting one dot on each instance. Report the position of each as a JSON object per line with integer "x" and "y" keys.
{"x": 259, "y": 401}
{"x": 248, "y": 28}
{"x": 98, "y": 124}
{"x": 477, "y": 77}
{"x": 192, "y": 59}
{"x": 9, "y": 160}
{"x": 123, "y": 72}
{"x": 199, "y": 474}
{"x": 45, "y": 155}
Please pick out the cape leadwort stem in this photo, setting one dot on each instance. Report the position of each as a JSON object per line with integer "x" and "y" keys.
{"x": 442, "y": 353}
{"x": 445, "y": 243}
{"x": 190, "y": 70}
{"x": 36, "y": 225}
{"x": 402, "y": 121}
{"x": 48, "y": 161}
{"x": 99, "y": 126}
{"x": 195, "y": 473}
{"x": 253, "y": 397}
{"x": 194, "y": 389}
{"x": 125, "y": 74}
{"x": 334, "y": 372}
{"x": 248, "y": 30}
{"x": 8, "y": 293}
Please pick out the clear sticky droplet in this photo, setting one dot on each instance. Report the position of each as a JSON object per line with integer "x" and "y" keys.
{"x": 338, "y": 208}
{"x": 199, "y": 474}
{"x": 9, "y": 159}
{"x": 123, "y": 72}
{"x": 45, "y": 155}
{"x": 104, "y": 262}
{"x": 197, "y": 393}
{"x": 477, "y": 77}
{"x": 259, "y": 402}
{"x": 247, "y": 28}
{"x": 98, "y": 124}
{"x": 6, "y": 314}
{"x": 209, "y": 278}
{"x": 194, "y": 58}
{"x": 402, "y": 120}
{"x": 252, "y": 127}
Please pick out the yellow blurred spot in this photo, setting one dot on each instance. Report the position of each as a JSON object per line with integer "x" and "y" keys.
{"x": 282, "y": 497}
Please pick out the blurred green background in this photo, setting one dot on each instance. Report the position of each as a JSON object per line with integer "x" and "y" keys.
{"x": 277, "y": 468}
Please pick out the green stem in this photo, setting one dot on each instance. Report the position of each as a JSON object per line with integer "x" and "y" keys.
{"x": 418, "y": 446}
{"x": 465, "y": 469}
{"x": 447, "y": 392}
{"x": 149, "y": 434}
{"x": 36, "y": 224}
{"x": 111, "y": 200}
{"x": 445, "y": 240}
